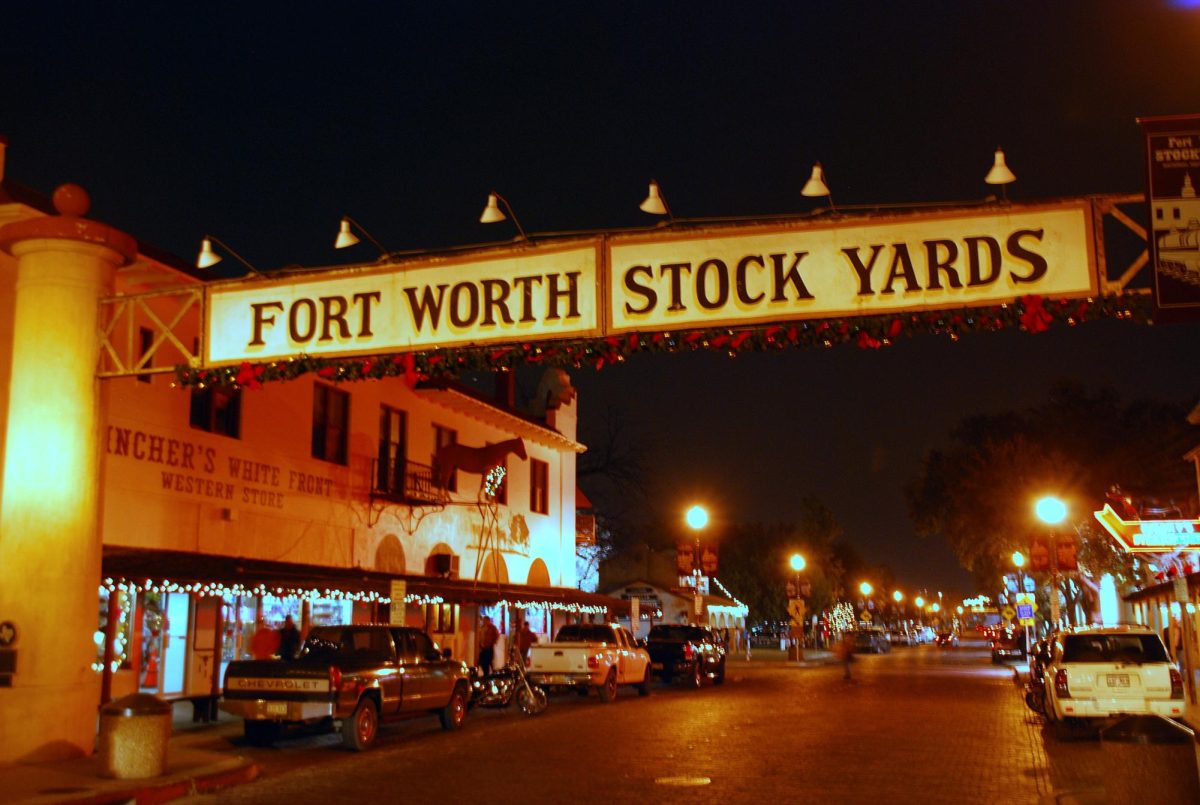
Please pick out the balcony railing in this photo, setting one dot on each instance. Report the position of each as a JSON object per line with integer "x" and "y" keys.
{"x": 407, "y": 482}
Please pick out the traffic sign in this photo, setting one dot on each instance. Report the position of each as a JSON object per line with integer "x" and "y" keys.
{"x": 1009, "y": 613}
{"x": 796, "y": 610}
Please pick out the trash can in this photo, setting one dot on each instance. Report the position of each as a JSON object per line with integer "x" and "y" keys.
{"x": 1149, "y": 759}
{"x": 134, "y": 731}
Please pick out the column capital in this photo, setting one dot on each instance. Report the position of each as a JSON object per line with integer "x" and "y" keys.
{"x": 72, "y": 203}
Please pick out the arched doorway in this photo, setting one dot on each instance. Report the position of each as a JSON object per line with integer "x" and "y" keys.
{"x": 494, "y": 569}
{"x": 539, "y": 574}
{"x": 389, "y": 555}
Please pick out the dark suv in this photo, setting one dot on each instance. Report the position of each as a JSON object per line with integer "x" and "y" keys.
{"x": 690, "y": 653}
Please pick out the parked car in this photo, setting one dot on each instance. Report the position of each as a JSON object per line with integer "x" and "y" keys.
{"x": 591, "y": 655}
{"x": 349, "y": 678}
{"x": 871, "y": 641}
{"x": 689, "y": 653}
{"x": 1097, "y": 673}
{"x": 1008, "y": 646}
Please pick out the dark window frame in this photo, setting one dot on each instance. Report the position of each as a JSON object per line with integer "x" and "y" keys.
{"x": 216, "y": 410}
{"x": 443, "y": 436}
{"x": 539, "y": 486}
{"x": 331, "y": 439}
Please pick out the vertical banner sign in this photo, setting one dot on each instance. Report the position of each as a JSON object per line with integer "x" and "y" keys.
{"x": 1065, "y": 558}
{"x": 399, "y": 591}
{"x": 1172, "y": 169}
{"x": 635, "y": 614}
{"x": 708, "y": 560}
{"x": 1039, "y": 554}
{"x": 685, "y": 558}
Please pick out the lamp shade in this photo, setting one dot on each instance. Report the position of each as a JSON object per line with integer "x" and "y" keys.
{"x": 207, "y": 257}
{"x": 345, "y": 237}
{"x": 492, "y": 212}
{"x": 654, "y": 202}
{"x": 815, "y": 186}
{"x": 999, "y": 174}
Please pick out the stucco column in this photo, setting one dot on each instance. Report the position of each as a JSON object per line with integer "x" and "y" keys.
{"x": 50, "y": 540}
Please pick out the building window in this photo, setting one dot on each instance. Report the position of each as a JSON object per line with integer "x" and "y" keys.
{"x": 217, "y": 410}
{"x": 441, "y": 438}
{"x": 441, "y": 618}
{"x": 393, "y": 441}
{"x": 331, "y": 423}
{"x": 145, "y": 340}
{"x": 539, "y": 486}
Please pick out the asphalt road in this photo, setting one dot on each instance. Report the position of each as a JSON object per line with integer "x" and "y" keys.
{"x": 919, "y": 724}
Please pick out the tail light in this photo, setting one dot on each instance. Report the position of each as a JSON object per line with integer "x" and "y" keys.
{"x": 1060, "y": 685}
{"x": 335, "y": 679}
{"x": 688, "y": 652}
{"x": 1176, "y": 684}
{"x": 594, "y": 661}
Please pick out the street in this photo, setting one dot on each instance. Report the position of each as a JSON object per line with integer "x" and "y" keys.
{"x": 919, "y": 724}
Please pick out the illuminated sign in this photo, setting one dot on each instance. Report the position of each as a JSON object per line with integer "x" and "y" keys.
{"x": 748, "y": 275}
{"x": 1150, "y": 536}
{"x": 534, "y": 294}
{"x": 736, "y": 276}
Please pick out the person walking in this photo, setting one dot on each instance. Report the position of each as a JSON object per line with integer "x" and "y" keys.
{"x": 845, "y": 653}
{"x": 525, "y": 639}
{"x": 488, "y": 635}
{"x": 289, "y": 639}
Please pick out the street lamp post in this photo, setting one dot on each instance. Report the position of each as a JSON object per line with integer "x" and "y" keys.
{"x": 1052, "y": 511}
{"x": 797, "y": 610}
{"x": 697, "y": 519}
{"x": 1018, "y": 560}
{"x": 898, "y": 597}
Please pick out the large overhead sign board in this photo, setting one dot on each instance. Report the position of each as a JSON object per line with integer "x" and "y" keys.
{"x": 531, "y": 294}
{"x": 1150, "y": 536}
{"x": 735, "y": 276}
{"x": 760, "y": 275}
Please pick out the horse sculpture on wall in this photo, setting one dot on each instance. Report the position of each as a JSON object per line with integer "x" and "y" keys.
{"x": 477, "y": 460}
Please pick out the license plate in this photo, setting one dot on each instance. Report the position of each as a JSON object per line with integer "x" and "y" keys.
{"x": 657, "y": 666}
{"x": 558, "y": 679}
{"x": 277, "y": 708}
{"x": 1118, "y": 680}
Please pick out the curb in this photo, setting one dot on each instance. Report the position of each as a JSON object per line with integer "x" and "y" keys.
{"x": 151, "y": 791}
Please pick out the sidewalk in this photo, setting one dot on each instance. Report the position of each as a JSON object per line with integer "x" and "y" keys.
{"x": 190, "y": 770}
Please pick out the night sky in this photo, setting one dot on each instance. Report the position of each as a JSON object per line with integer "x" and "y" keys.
{"x": 263, "y": 123}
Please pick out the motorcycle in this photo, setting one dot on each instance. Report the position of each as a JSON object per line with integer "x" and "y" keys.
{"x": 1035, "y": 688}
{"x": 499, "y": 689}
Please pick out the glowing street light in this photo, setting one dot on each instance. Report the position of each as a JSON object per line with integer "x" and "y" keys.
{"x": 1018, "y": 559}
{"x": 697, "y": 518}
{"x": 797, "y": 563}
{"x": 897, "y": 596}
{"x": 1050, "y": 510}
{"x": 920, "y": 602}
{"x": 865, "y": 588}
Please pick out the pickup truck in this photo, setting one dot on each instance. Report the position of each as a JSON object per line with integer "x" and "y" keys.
{"x": 349, "y": 678}
{"x": 689, "y": 653}
{"x": 591, "y": 655}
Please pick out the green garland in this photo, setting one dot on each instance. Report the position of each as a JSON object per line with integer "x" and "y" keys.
{"x": 1030, "y": 313}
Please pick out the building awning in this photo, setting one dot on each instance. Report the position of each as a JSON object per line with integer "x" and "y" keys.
{"x": 213, "y": 574}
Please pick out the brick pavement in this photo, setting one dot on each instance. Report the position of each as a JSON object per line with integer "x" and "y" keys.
{"x": 917, "y": 726}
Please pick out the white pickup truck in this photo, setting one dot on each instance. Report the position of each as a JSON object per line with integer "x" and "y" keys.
{"x": 591, "y": 655}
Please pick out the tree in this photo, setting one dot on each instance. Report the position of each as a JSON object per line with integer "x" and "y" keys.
{"x": 977, "y": 493}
